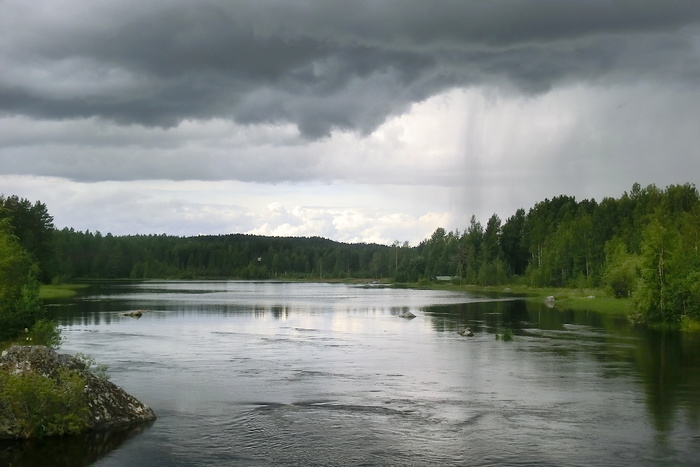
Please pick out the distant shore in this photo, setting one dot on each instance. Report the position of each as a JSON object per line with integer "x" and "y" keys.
{"x": 591, "y": 299}
{"x": 48, "y": 292}
{"x": 576, "y": 299}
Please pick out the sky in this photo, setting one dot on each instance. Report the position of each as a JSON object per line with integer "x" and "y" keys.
{"x": 358, "y": 121}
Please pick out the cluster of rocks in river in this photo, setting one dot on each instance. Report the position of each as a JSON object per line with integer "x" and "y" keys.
{"x": 109, "y": 406}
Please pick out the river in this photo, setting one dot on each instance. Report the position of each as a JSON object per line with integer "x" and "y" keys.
{"x": 278, "y": 373}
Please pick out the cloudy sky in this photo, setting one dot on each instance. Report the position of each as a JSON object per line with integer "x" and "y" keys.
{"x": 374, "y": 121}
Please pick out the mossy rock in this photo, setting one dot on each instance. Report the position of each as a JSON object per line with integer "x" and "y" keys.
{"x": 43, "y": 393}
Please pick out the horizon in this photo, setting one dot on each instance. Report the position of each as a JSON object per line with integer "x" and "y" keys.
{"x": 312, "y": 236}
{"x": 364, "y": 123}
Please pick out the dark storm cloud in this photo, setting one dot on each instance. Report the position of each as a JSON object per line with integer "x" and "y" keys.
{"x": 321, "y": 64}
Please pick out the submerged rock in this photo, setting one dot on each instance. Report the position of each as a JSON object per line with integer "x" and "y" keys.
{"x": 108, "y": 406}
{"x": 135, "y": 314}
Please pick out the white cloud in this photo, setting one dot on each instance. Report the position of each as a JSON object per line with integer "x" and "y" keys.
{"x": 471, "y": 151}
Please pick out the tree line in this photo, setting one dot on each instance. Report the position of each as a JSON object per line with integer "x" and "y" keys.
{"x": 20, "y": 308}
{"x": 642, "y": 245}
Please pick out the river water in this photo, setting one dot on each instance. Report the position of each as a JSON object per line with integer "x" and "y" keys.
{"x": 274, "y": 373}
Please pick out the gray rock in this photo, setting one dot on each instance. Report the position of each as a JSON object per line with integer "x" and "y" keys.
{"x": 135, "y": 314}
{"x": 109, "y": 406}
{"x": 407, "y": 315}
{"x": 549, "y": 301}
{"x": 466, "y": 332}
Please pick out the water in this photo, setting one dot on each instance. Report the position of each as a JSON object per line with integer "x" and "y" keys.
{"x": 271, "y": 373}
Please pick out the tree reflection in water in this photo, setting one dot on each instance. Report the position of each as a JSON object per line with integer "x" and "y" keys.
{"x": 65, "y": 451}
{"x": 666, "y": 362}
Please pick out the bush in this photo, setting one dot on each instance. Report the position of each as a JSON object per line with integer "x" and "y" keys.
{"x": 41, "y": 406}
{"x": 400, "y": 275}
{"x": 45, "y": 332}
{"x": 492, "y": 273}
{"x": 507, "y": 336}
{"x": 20, "y": 307}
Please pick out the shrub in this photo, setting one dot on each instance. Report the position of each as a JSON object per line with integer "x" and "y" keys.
{"x": 20, "y": 307}
{"x": 45, "y": 332}
{"x": 507, "y": 336}
{"x": 41, "y": 406}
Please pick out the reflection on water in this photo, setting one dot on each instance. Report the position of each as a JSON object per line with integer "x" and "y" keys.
{"x": 66, "y": 451}
{"x": 666, "y": 362}
{"x": 273, "y": 373}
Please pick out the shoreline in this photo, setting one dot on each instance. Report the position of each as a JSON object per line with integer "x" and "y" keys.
{"x": 587, "y": 299}
{"x": 575, "y": 299}
{"x": 50, "y": 292}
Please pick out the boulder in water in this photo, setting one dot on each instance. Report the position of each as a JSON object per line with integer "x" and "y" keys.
{"x": 135, "y": 314}
{"x": 103, "y": 406}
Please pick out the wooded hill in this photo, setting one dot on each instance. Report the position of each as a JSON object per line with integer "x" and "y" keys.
{"x": 642, "y": 245}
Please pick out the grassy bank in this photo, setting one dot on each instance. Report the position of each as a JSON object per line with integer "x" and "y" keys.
{"x": 597, "y": 300}
{"x": 48, "y": 292}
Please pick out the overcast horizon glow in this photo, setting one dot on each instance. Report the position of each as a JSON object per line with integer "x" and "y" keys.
{"x": 369, "y": 122}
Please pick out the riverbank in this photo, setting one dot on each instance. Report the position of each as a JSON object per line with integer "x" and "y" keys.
{"x": 48, "y": 292}
{"x": 589, "y": 299}
{"x": 597, "y": 300}
{"x": 577, "y": 299}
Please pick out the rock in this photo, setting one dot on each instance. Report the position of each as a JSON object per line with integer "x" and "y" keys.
{"x": 135, "y": 314}
{"x": 466, "y": 332}
{"x": 109, "y": 406}
{"x": 549, "y": 301}
{"x": 407, "y": 315}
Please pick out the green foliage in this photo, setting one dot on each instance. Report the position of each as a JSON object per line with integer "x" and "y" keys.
{"x": 505, "y": 336}
{"x": 20, "y": 306}
{"x": 514, "y": 243}
{"x": 492, "y": 273}
{"x": 669, "y": 287}
{"x": 644, "y": 245}
{"x": 689, "y": 324}
{"x": 622, "y": 269}
{"x": 92, "y": 255}
{"x": 42, "y": 406}
{"x": 44, "y": 332}
{"x": 400, "y": 275}
{"x": 33, "y": 227}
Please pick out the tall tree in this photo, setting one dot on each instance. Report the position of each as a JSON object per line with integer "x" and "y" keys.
{"x": 513, "y": 235}
{"x": 33, "y": 226}
{"x": 19, "y": 290}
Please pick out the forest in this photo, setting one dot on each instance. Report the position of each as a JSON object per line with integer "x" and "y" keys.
{"x": 642, "y": 245}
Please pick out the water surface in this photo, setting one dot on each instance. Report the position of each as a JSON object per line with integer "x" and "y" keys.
{"x": 272, "y": 373}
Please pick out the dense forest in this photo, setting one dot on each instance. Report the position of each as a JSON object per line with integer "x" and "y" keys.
{"x": 643, "y": 245}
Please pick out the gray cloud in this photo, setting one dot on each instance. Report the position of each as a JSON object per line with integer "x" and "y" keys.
{"x": 322, "y": 64}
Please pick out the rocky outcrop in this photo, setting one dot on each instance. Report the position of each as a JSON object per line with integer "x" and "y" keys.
{"x": 108, "y": 406}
